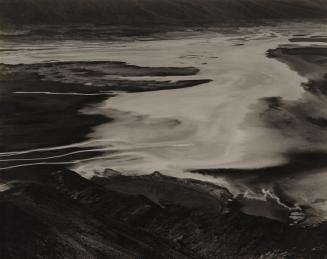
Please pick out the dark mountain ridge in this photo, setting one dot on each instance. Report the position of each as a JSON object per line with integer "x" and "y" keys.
{"x": 149, "y": 12}
{"x": 63, "y": 215}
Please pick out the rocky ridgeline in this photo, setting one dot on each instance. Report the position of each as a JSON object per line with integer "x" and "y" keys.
{"x": 62, "y": 215}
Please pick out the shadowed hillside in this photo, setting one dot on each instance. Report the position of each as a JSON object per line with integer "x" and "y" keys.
{"x": 18, "y": 12}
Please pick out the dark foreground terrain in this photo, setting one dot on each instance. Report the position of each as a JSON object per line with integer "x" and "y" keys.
{"x": 62, "y": 215}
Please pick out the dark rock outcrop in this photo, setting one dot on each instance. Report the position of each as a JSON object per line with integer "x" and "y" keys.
{"x": 66, "y": 216}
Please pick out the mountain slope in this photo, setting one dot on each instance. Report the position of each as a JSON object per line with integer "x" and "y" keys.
{"x": 62, "y": 215}
{"x": 155, "y": 11}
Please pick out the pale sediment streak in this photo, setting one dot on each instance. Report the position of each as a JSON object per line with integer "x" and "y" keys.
{"x": 85, "y": 151}
{"x": 75, "y": 145}
{"x": 4, "y": 187}
{"x": 64, "y": 93}
{"x": 58, "y": 156}
{"x": 77, "y": 161}
{"x": 266, "y": 193}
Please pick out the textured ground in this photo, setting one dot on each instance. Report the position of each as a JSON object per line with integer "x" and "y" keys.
{"x": 64, "y": 215}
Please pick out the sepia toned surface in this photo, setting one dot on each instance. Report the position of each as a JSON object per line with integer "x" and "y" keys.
{"x": 164, "y": 141}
